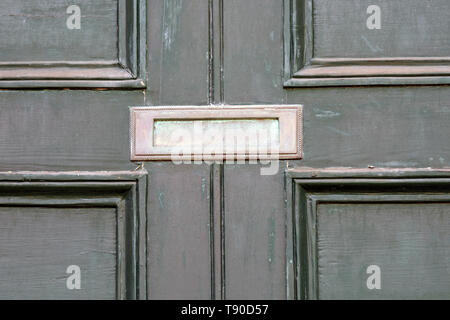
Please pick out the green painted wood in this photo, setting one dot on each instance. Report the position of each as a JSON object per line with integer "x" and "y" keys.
{"x": 45, "y": 36}
{"x": 341, "y": 222}
{"x": 53, "y": 219}
{"x": 392, "y": 127}
{"x": 328, "y": 44}
{"x": 409, "y": 28}
{"x": 39, "y": 244}
{"x": 108, "y": 49}
{"x": 65, "y": 130}
{"x": 179, "y": 250}
{"x": 210, "y": 228}
{"x": 178, "y": 72}
{"x": 253, "y": 52}
{"x": 408, "y": 241}
{"x": 254, "y": 234}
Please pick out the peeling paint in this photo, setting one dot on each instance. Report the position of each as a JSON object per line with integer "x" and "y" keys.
{"x": 342, "y": 170}
{"x": 326, "y": 113}
{"x": 172, "y": 11}
{"x": 161, "y": 200}
{"x": 204, "y": 189}
{"x": 272, "y": 36}
{"x": 397, "y": 164}
{"x": 271, "y": 240}
{"x": 339, "y": 131}
{"x": 373, "y": 48}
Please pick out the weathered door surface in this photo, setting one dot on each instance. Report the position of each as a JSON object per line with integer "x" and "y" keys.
{"x": 365, "y": 214}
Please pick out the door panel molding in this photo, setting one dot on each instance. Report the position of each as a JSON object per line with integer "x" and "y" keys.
{"x": 127, "y": 71}
{"x": 306, "y": 189}
{"x": 304, "y": 69}
{"x": 124, "y": 191}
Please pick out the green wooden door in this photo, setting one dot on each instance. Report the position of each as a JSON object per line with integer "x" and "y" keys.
{"x": 364, "y": 214}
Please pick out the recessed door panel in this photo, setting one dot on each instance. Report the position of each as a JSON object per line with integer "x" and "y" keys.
{"x": 45, "y": 35}
{"x": 381, "y": 234}
{"x": 349, "y": 42}
{"x": 66, "y": 44}
{"x": 65, "y": 236}
{"x": 39, "y": 245}
{"x": 409, "y": 242}
{"x": 401, "y": 28}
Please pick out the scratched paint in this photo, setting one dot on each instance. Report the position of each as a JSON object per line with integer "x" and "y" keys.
{"x": 161, "y": 200}
{"x": 204, "y": 194}
{"x": 172, "y": 11}
{"x": 271, "y": 240}
{"x": 326, "y": 113}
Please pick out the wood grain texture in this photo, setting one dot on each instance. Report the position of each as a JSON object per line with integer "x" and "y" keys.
{"x": 409, "y": 242}
{"x": 253, "y": 52}
{"x": 178, "y": 32}
{"x": 344, "y": 127}
{"x": 255, "y": 234}
{"x": 349, "y": 127}
{"x": 179, "y": 252}
{"x": 108, "y": 49}
{"x": 340, "y": 222}
{"x": 45, "y": 36}
{"x": 409, "y": 28}
{"x": 39, "y": 244}
{"x": 65, "y": 130}
{"x": 178, "y": 232}
{"x": 404, "y": 50}
{"x": 57, "y": 196}
{"x": 380, "y": 127}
